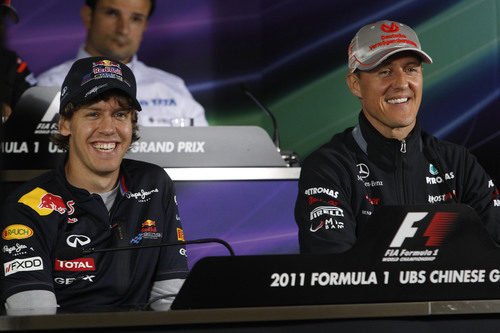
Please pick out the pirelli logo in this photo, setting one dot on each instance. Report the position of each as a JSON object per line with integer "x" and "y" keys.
{"x": 326, "y": 210}
{"x": 180, "y": 234}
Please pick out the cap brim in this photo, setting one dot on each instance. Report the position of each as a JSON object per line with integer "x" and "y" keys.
{"x": 377, "y": 59}
{"x": 110, "y": 86}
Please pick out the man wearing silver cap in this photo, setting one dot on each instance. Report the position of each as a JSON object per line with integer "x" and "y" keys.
{"x": 386, "y": 159}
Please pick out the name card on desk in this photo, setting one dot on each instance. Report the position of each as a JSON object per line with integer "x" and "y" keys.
{"x": 404, "y": 254}
{"x": 213, "y": 146}
{"x": 25, "y": 141}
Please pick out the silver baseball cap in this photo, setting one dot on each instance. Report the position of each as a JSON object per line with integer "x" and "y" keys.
{"x": 375, "y": 42}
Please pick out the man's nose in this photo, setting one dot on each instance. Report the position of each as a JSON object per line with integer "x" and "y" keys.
{"x": 400, "y": 80}
{"x": 106, "y": 126}
{"x": 123, "y": 25}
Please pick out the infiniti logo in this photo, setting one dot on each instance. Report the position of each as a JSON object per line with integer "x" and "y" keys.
{"x": 77, "y": 240}
{"x": 363, "y": 171}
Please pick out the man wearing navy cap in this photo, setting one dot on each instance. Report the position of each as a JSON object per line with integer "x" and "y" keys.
{"x": 386, "y": 159}
{"x": 95, "y": 199}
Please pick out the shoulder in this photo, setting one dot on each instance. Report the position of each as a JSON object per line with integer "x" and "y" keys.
{"x": 55, "y": 76}
{"x": 443, "y": 146}
{"x": 147, "y": 73}
{"x": 340, "y": 147}
{"x": 144, "y": 171}
{"x": 42, "y": 194}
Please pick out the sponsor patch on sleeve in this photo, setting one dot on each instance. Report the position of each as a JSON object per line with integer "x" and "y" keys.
{"x": 17, "y": 231}
{"x": 43, "y": 202}
{"x": 180, "y": 234}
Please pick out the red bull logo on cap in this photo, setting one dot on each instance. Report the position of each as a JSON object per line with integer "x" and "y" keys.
{"x": 43, "y": 202}
{"x": 106, "y": 63}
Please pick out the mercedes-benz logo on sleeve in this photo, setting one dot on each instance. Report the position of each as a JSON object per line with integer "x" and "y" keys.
{"x": 363, "y": 171}
{"x": 77, "y": 240}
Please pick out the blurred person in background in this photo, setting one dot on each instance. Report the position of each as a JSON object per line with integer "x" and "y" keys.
{"x": 115, "y": 29}
{"x": 15, "y": 76}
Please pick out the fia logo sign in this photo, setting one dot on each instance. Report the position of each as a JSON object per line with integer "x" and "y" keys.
{"x": 435, "y": 232}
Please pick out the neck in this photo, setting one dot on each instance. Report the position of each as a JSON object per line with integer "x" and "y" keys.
{"x": 93, "y": 183}
{"x": 95, "y": 53}
{"x": 399, "y": 133}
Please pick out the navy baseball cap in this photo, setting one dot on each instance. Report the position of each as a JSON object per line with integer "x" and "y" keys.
{"x": 90, "y": 77}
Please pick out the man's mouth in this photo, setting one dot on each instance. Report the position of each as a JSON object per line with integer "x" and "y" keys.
{"x": 105, "y": 147}
{"x": 397, "y": 100}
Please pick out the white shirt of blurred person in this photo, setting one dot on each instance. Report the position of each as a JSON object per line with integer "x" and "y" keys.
{"x": 115, "y": 29}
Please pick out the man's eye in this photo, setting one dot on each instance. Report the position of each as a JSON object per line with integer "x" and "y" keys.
{"x": 111, "y": 12}
{"x": 138, "y": 19}
{"x": 121, "y": 115}
{"x": 384, "y": 72}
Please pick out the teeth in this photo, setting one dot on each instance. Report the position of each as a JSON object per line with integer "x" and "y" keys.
{"x": 397, "y": 100}
{"x": 105, "y": 146}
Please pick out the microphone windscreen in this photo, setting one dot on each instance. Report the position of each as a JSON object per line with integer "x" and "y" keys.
{"x": 69, "y": 253}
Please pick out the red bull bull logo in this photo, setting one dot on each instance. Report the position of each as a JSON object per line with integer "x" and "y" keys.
{"x": 149, "y": 226}
{"x": 54, "y": 202}
{"x": 106, "y": 63}
{"x": 43, "y": 202}
{"x": 148, "y": 223}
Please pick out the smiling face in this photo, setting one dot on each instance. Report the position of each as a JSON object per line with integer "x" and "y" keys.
{"x": 99, "y": 136}
{"x": 115, "y": 27}
{"x": 390, "y": 94}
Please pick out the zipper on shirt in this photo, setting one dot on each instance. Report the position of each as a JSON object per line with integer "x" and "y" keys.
{"x": 400, "y": 172}
{"x": 403, "y": 146}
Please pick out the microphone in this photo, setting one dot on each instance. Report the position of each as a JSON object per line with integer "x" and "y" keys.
{"x": 70, "y": 253}
{"x": 291, "y": 158}
{"x": 276, "y": 138}
{"x": 432, "y": 157}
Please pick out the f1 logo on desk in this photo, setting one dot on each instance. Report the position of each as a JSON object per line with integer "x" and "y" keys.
{"x": 434, "y": 235}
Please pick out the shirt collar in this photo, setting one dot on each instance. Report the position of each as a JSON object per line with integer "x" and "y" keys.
{"x": 84, "y": 54}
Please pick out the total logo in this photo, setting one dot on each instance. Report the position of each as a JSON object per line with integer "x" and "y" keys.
{"x": 77, "y": 240}
{"x": 81, "y": 264}
{"x": 23, "y": 265}
{"x": 331, "y": 223}
{"x": 71, "y": 280}
{"x": 435, "y": 233}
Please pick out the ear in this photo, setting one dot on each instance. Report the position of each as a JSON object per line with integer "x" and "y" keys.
{"x": 354, "y": 84}
{"x": 63, "y": 126}
{"x": 86, "y": 15}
